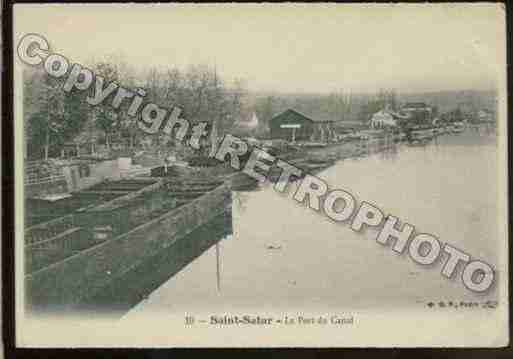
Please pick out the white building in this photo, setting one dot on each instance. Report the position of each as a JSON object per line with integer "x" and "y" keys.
{"x": 485, "y": 116}
{"x": 382, "y": 119}
{"x": 252, "y": 123}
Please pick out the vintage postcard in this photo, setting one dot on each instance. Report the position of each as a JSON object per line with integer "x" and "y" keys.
{"x": 260, "y": 175}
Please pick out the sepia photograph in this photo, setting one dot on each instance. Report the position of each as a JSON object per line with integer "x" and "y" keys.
{"x": 260, "y": 175}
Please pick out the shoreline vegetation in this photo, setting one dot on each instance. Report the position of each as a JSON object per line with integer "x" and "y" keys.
{"x": 61, "y": 123}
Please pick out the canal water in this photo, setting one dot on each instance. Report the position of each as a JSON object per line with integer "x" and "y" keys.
{"x": 283, "y": 255}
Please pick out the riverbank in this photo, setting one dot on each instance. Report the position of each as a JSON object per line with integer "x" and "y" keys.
{"x": 315, "y": 159}
{"x": 299, "y": 261}
{"x": 323, "y": 160}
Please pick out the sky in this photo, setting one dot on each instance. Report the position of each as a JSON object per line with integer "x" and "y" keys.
{"x": 308, "y": 48}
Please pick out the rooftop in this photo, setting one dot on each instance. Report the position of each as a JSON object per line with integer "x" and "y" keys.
{"x": 415, "y": 105}
{"x": 307, "y": 115}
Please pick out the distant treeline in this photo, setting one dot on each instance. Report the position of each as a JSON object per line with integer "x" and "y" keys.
{"x": 53, "y": 118}
{"x": 360, "y": 107}
{"x": 467, "y": 101}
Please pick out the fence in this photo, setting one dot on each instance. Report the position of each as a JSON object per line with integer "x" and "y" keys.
{"x": 38, "y": 172}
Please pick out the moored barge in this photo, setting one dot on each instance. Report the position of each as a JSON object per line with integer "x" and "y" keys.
{"x": 73, "y": 259}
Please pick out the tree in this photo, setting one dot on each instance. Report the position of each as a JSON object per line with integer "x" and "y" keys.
{"x": 51, "y": 116}
{"x": 105, "y": 117}
{"x": 381, "y": 100}
{"x": 266, "y": 108}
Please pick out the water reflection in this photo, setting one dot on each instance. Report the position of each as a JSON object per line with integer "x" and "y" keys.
{"x": 136, "y": 285}
{"x": 283, "y": 255}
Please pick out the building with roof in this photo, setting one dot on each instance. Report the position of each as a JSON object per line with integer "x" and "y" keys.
{"x": 249, "y": 125}
{"x": 292, "y": 125}
{"x": 252, "y": 123}
{"x": 485, "y": 116}
{"x": 387, "y": 118}
{"x": 416, "y": 107}
{"x": 417, "y": 112}
{"x": 383, "y": 119}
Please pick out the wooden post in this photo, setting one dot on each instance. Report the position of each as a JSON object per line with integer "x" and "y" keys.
{"x": 213, "y": 140}
{"x": 47, "y": 142}
{"x": 218, "y": 269}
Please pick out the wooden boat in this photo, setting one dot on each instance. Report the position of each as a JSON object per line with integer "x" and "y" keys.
{"x": 72, "y": 260}
{"x": 458, "y": 127}
{"x": 420, "y": 142}
{"x": 312, "y": 144}
{"x": 422, "y": 134}
{"x": 239, "y": 181}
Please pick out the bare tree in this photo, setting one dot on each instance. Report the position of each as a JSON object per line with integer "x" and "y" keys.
{"x": 51, "y": 116}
